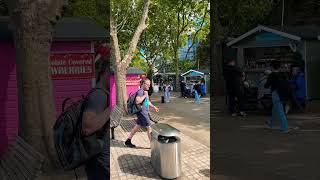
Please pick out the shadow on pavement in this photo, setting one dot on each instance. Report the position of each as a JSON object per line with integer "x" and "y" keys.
{"x": 205, "y": 172}
{"x": 119, "y": 143}
{"x": 137, "y": 165}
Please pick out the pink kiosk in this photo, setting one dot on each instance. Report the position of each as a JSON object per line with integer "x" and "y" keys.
{"x": 72, "y": 67}
{"x": 133, "y": 78}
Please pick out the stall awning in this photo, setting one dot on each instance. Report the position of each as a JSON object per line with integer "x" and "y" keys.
{"x": 276, "y": 33}
{"x": 192, "y": 72}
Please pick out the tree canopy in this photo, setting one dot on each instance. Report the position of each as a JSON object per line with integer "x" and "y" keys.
{"x": 237, "y": 17}
{"x": 98, "y": 10}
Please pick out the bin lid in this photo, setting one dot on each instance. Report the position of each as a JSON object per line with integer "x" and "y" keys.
{"x": 163, "y": 129}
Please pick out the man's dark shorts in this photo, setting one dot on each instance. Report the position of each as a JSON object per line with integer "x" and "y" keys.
{"x": 142, "y": 120}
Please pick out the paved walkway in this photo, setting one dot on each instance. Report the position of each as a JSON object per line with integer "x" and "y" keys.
{"x": 190, "y": 118}
{"x": 245, "y": 150}
{"x": 134, "y": 163}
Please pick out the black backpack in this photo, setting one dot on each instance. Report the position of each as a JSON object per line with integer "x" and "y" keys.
{"x": 132, "y": 106}
{"x": 73, "y": 148}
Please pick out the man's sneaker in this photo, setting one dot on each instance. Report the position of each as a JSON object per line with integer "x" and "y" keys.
{"x": 243, "y": 114}
{"x": 287, "y": 108}
{"x": 284, "y": 131}
{"x": 129, "y": 144}
{"x": 267, "y": 125}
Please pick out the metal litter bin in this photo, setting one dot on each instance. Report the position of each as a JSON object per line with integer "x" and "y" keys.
{"x": 166, "y": 150}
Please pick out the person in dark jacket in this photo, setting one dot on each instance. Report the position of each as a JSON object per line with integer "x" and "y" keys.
{"x": 276, "y": 82}
{"x": 183, "y": 89}
{"x": 203, "y": 89}
{"x": 233, "y": 76}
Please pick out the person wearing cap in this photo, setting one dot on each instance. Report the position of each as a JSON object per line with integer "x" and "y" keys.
{"x": 233, "y": 77}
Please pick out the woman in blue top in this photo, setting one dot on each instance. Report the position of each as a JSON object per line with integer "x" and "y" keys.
{"x": 299, "y": 87}
{"x": 203, "y": 89}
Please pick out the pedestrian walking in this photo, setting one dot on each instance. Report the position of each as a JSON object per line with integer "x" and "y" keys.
{"x": 276, "y": 82}
{"x": 143, "y": 117}
{"x": 197, "y": 92}
{"x": 167, "y": 92}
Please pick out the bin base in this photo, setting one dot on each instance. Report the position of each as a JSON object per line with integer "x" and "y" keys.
{"x": 166, "y": 158}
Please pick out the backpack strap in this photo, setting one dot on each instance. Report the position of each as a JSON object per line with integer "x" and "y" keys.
{"x": 135, "y": 96}
{"x": 64, "y": 103}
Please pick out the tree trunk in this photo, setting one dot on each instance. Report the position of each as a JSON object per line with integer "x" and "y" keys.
{"x": 214, "y": 66}
{"x": 217, "y": 85}
{"x": 150, "y": 73}
{"x": 121, "y": 65}
{"x": 32, "y": 29}
{"x": 120, "y": 77}
{"x": 176, "y": 54}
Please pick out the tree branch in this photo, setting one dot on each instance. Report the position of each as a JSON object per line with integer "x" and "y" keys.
{"x": 115, "y": 41}
{"x": 155, "y": 58}
{"x": 184, "y": 25}
{"x": 142, "y": 25}
{"x": 195, "y": 35}
{"x": 122, "y": 24}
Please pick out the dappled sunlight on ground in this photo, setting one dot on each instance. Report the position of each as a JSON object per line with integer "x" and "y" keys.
{"x": 246, "y": 149}
{"x": 184, "y": 114}
{"x": 276, "y": 151}
{"x": 171, "y": 117}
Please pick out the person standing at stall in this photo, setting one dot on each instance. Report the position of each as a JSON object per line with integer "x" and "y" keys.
{"x": 276, "y": 82}
{"x": 203, "y": 88}
{"x": 167, "y": 92}
{"x": 183, "y": 89}
{"x": 299, "y": 87}
{"x": 233, "y": 76}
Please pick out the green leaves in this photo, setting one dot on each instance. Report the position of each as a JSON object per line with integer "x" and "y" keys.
{"x": 237, "y": 17}
{"x": 96, "y": 9}
{"x": 174, "y": 20}
{"x": 126, "y": 14}
{"x": 139, "y": 63}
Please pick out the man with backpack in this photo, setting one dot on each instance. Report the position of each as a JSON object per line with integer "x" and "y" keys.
{"x": 96, "y": 115}
{"x": 81, "y": 132}
{"x": 143, "y": 118}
